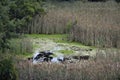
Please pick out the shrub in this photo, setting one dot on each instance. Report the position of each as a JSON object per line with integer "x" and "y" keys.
{"x": 21, "y": 46}
{"x": 7, "y": 69}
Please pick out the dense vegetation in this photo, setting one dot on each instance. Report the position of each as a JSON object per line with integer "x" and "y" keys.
{"x": 95, "y": 24}
{"x": 7, "y": 69}
{"x": 14, "y": 17}
{"x": 92, "y": 24}
{"x": 88, "y": 23}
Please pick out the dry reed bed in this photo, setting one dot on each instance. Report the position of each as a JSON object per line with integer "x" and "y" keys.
{"x": 102, "y": 68}
{"x": 84, "y": 70}
{"x": 89, "y": 23}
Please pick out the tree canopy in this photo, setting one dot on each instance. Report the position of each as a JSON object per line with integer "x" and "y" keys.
{"x": 14, "y": 16}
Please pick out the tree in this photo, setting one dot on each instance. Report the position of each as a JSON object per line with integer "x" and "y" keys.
{"x": 4, "y": 19}
{"x": 14, "y": 16}
{"x": 23, "y": 11}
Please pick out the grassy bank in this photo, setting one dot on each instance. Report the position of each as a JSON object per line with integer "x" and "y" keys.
{"x": 58, "y": 38}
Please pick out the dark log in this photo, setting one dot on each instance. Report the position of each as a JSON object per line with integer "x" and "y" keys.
{"x": 86, "y": 57}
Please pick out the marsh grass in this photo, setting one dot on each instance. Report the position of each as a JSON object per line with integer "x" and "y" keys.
{"x": 46, "y": 35}
{"x": 100, "y": 69}
{"x": 22, "y": 46}
{"x": 55, "y": 37}
{"x": 66, "y": 52}
{"x": 58, "y": 38}
{"x": 93, "y": 24}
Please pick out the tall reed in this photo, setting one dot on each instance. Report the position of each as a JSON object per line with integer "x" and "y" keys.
{"x": 21, "y": 46}
{"x": 103, "y": 68}
{"x": 89, "y": 23}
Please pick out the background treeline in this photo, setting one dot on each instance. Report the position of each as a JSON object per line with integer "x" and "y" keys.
{"x": 85, "y": 0}
{"x": 94, "y": 24}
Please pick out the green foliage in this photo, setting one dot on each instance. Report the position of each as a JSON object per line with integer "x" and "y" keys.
{"x": 48, "y": 36}
{"x": 69, "y": 26}
{"x": 23, "y": 11}
{"x": 21, "y": 46}
{"x": 3, "y": 42}
{"x": 14, "y": 17}
{"x": 66, "y": 52}
{"x": 7, "y": 69}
